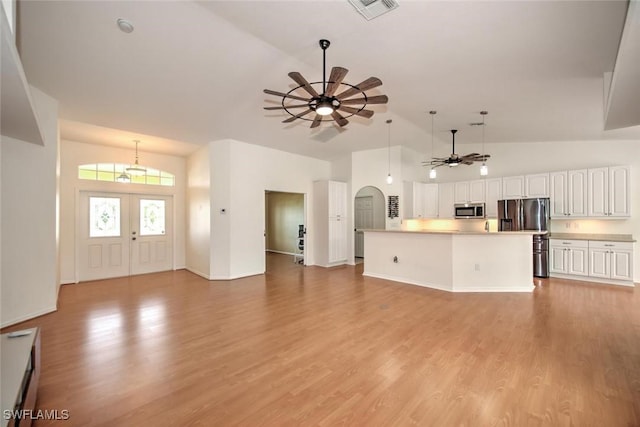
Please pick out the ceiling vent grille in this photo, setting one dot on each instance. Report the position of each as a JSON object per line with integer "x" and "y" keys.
{"x": 373, "y": 8}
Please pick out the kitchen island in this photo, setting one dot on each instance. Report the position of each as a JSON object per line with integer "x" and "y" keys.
{"x": 455, "y": 261}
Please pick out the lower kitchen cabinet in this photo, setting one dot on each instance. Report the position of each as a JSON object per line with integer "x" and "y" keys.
{"x": 611, "y": 260}
{"x": 569, "y": 257}
{"x": 591, "y": 260}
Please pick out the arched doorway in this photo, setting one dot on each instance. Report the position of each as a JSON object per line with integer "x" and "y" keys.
{"x": 368, "y": 214}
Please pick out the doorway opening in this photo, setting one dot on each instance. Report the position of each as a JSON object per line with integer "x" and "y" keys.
{"x": 285, "y": 228}
{"x": 368, "y": 215}
{"x": 121, "y": 234}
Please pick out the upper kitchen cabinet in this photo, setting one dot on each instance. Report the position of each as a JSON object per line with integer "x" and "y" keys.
{"x": 420, "y": 200}
{"x": 609, "y": 193}
{"x": 513, "y": 187}
{"x": 525, "y": 186}
{"x": 536, "y": 185}
{"x": 493, "y": 192}
{"x": 469, "y": 191}
{"x": 445, "y": 200}
{"x": 568, "y": 193}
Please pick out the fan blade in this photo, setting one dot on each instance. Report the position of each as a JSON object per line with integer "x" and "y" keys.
{"x": 316, "y": 121}
{"x": 285, "y": 95}
{"x": 297, "y": 77}
{"x": 370, "y": 83}
{"x": 297, "y": 116}
{"x": 339, "y": 119}
{"x": 362, "y": 113}
{"x": 467, "y": 162}
{"x": 337, "y": 75}
{"x": 288, "y": 106}
{"x": 378, "y": 99}
{"x": 471, "y": 155}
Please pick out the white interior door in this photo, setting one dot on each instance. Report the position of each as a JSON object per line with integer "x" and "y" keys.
{"x": 104, "y": 235}
{"x": 151, "y": 234}
{"x": 363, "y": 221}
{"x": 124, "y": 234}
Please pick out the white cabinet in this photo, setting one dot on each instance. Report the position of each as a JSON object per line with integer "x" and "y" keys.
{"x": 430, "y": 198}
{"x": 609, "y": 193}
{"x": 493, "y": 193}
{"x": 522, "y": 186}
{"x": 513, "y": 187}
{"x": 420, "y": 200}
{"x": 469, "y": 191}
{"x": 330, "y": 222}
{"x": 536, "y": 185}
{"x": 611, "y": 260}
{"x": 445, "y": 200}
{"x": 569, "y": 257}
{"x": 568, "y": 193}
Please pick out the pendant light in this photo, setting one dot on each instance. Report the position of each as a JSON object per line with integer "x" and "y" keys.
{"x": 484, "y": 170}
{"x": 389, "y": 177}
{"x": 432, "y": 172}
{"x": 136, "y": 169}
{"x": 123, "y": 177}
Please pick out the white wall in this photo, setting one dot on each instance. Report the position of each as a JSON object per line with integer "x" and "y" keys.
{"x": 240, "y": 174}
{"x": 73, "y": 154}
{"x": 29, "y": 214}
{"x": 198, "y": 227}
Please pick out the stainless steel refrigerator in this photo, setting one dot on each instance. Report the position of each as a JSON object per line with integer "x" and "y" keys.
{"x": 529, "y": 214}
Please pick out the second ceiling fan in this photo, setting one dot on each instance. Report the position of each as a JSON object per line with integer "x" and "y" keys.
{"x": 455, "y": 159}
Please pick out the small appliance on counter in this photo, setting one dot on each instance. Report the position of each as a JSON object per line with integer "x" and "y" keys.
{"x": 529, "y": 215}
{"x": 469, "y": 210}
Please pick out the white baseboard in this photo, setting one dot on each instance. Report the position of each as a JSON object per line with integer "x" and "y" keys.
{"x": 282, "y": 252}
{"x": 28, "y": 316}
{"x": 462, "y": 288}
{"x": 199, "y": 273}
{"x": 593, "y": 280}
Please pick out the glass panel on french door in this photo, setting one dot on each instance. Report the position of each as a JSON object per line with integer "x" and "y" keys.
{"x": 104, "y": 216}
{"x": 152, "y": 217}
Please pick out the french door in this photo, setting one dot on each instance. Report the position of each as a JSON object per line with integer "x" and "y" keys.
{"x": 124, "y": 234}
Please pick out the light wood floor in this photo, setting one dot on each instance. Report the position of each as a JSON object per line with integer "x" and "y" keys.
{"x": 312, "y": 346}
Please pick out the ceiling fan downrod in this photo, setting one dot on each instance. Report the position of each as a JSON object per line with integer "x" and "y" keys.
{"x": 324, "y": 44}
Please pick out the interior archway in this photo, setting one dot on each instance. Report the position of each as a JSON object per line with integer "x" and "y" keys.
{"x": 368, "y": 209}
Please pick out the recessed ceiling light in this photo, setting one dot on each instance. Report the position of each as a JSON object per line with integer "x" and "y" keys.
{"x": 124, "y": 25}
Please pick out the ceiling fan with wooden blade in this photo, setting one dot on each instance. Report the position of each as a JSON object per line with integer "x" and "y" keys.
{"x": 331, "y": 99}
{"x": 455, "y": 159}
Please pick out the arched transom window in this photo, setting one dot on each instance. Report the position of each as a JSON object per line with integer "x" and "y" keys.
{"x": 117, "y": 172}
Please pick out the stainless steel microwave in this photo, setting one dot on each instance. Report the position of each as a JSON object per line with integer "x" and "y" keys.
{"x": 469, "y": 210}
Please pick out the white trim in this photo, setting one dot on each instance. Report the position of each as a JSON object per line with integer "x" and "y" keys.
{"x": 29, "y": 316}
{"x": 281, "y": 252}
{"x": 239, "y": 276}
{"x": 523, "y": 288}
{"x": 199, "y": 273}
{"x": 593, "y": 280}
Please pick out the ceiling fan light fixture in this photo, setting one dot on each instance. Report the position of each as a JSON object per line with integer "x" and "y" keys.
{"x": 484, "y": 170}
{"x": 432, "y": 173}
{"x": 324, "y": 107}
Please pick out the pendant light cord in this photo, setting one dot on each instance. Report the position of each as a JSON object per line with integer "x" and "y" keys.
{"x": 484, "y": 113}
{"x": 389, "y": 149}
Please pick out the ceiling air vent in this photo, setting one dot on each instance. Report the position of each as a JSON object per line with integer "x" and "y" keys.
{"x": 373, "y": 8}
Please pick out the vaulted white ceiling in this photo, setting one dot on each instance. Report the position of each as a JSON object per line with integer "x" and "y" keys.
{"x": 193, "y": 72}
